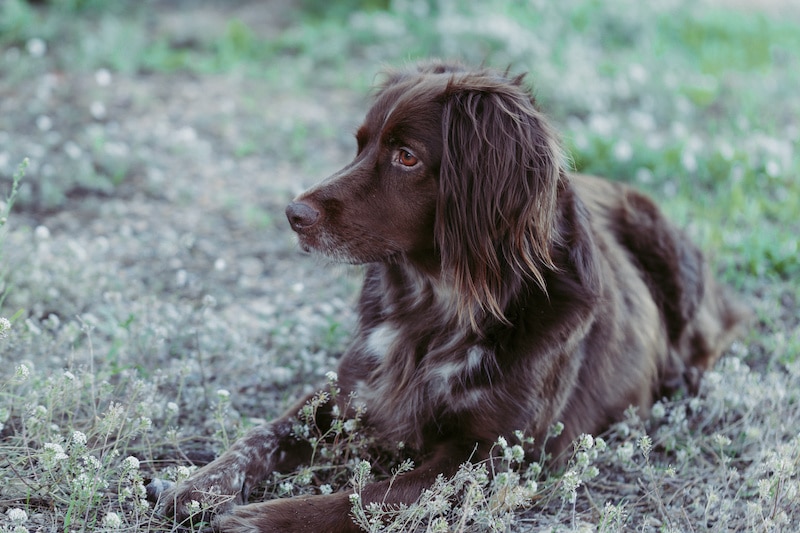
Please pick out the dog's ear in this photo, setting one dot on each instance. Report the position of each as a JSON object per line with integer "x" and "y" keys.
{"x": 500, "y": 172}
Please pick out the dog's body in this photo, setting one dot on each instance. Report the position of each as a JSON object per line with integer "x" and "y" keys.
{"x": 501, "y": 295}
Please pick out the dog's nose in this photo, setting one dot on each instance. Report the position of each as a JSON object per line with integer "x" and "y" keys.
{"x": 301, "y": 215}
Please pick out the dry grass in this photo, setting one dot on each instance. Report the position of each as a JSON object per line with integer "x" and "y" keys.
{"x": 156, "y": 305}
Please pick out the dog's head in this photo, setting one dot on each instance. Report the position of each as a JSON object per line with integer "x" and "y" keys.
{"x": 456, "y": 172}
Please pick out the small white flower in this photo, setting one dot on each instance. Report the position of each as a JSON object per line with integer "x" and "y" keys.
{"x": 502, "y": 442}
{"x": 773, "y": 169}
{"x": 304, "y": 477}
{"x": 172, "y": 407}
{"x": 569, "y": 486}
{"x": 223, "y": 394}
{"x": 44, "y": 123}
{"x": 623, "y": 151}
{"x": 517, "y": 454}
{"x": 332, "y": 376}
{"x": 98, "y": 110}
{"x": 637, "y": 73}
{"x": 73, "y": 150}
{"x": 182, "y": 472}
{"x": 17, "y": 515}
{"x": 602, "y": 125}
{"x": 5, "y": 327}
{"x": 325, "y": 489}
{"x": 102, "y": 77}
{"x": 722, "y": 440}
{"x": 53, "y": 447}
{"x": 36, "y": 47}
{"x": 658, "y": 411}
{"x": 130, "y": 463}
{"x": 186, "y": 134}
{"x": 113, "y": 418}
{"x": 145, "y": 423}
{"x": 53, "y": 453}
{"x": 42, "y": 233}
{"x": 90, "y": 461}
{"x": 600, "y": 444}
{"x": 112, "y": 520}
{"x": 78, "y": 438}
{"x": 625, "y": 451}
{"x": 726, "y": 150}
{"x": 533, "y": 471}
{"x": 764, "y": 488}
{"x": 22, "y": 374}
{"x": 646, "y": 444}
{"x": 689, "y": 161}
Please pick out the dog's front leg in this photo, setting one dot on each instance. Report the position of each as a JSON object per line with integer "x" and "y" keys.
{"x": 227, "y": 481}
{"x": 332, "y": 513}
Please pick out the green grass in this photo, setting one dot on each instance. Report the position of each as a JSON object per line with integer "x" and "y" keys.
{"x": 696, "y": 105}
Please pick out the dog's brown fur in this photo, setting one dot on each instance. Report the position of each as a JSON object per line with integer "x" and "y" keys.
{"x": 501, "y": 294}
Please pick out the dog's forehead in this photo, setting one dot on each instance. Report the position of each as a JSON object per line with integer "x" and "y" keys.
{"x": 407, "y": 98}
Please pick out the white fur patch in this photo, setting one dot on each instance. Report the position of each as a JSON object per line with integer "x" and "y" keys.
{"x": 474, "y": 358}
{"x": 446, "y": 375}
{"x": 381, "y": 339}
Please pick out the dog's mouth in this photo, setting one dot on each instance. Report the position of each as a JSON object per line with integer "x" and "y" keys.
{"x": 312, "y": 240}
{"x": 323, "y": 244}
{"x": 309, "y": 243}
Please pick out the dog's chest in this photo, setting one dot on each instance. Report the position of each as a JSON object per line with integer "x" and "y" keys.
{"x": 409, "y": 380}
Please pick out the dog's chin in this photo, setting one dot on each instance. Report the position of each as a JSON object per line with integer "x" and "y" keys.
{"x": 333, "y": 252}
{"x": 345, "y": 255}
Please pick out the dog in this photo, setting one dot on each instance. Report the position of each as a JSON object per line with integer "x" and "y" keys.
{"x": 501, "y": 293}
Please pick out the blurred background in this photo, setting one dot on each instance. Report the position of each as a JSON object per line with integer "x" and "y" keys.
{"x": 147, "y": 262}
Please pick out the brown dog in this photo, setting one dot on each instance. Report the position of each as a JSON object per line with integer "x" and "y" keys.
{"x": 501, "y": 294}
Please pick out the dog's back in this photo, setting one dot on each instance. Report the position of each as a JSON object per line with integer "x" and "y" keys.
{"x": 673, "y": 268}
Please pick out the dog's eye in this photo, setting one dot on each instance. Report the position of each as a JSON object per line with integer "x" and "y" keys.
{"x": 406, "y": 158}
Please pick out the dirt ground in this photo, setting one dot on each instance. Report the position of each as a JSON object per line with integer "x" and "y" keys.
{"x": 196, "y": 225}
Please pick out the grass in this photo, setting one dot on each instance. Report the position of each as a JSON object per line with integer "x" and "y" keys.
{"x": 121, "y": 343}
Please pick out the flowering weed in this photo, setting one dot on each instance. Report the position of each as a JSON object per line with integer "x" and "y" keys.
{"x": 152, "y": 306}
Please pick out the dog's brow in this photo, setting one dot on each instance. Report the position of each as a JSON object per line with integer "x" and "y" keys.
{"x": 391, "y": 123}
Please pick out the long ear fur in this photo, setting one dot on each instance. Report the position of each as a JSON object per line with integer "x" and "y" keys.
{"x": 499, "y": 176}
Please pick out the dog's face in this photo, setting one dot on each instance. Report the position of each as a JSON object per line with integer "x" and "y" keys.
{"x": 382, "y": 205}
{"x": 457, "y": 172}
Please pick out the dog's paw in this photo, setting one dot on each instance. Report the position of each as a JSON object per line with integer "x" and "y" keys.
{"x": 211, "y": 491}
